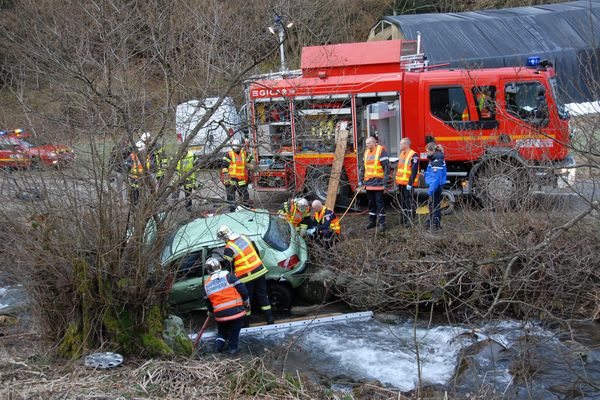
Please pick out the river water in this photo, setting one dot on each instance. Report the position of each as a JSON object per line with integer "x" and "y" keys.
{"x": 509, "y": 359}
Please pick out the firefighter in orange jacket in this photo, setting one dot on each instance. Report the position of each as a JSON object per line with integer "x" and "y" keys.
{"x": 326, "y": 226}
{"x": 248, "y": 267}
{"x": 235, "y": 174}
{"x": 297, "y": 212}
{"x": 374, "y": 175}
{"x": 228, "y": 301}
{"x": 407, "y": 177}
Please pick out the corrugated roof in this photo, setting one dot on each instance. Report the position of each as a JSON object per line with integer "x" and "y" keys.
{"x": 566, "y": 33}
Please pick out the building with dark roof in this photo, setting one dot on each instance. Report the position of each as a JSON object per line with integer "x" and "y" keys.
{"x": 567, "y": 34}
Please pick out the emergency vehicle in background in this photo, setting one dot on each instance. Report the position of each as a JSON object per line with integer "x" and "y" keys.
{"x": 17, "y": 152}
{"x": 221, "y": 126}
{"x": 502, "y": 129}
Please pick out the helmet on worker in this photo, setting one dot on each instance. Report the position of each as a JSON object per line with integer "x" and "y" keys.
{"x": 212, "y": 265}
{"x": 302, "y": 204}
{"x": 226, "y": 234}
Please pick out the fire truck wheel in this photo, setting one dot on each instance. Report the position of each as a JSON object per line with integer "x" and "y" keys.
{"x": 448, "y": 200}
{"x": 317, "y": 181}
{"x": 280, "y": 295}
{"x": 500, "y": 183}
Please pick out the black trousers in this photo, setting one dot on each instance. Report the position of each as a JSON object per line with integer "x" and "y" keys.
{"x": 407, "y": 204}
{"x": 376, "y": 206}
{"x": 232, "y": 189}
{"x": 228, "y": 331}
{"x": 435, "y": 210}
{"x": 257, "y": 293}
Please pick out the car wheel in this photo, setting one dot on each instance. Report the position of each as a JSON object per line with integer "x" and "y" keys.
{"x": 280, "y": 295}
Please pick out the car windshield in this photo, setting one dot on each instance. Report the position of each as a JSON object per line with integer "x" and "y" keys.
{"x": 279, "y": 234}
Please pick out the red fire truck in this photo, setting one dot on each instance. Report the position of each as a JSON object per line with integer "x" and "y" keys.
{"x": 503, "y": 130}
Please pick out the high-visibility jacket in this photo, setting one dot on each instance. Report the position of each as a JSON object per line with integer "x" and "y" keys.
{"x": 465, "y": 114}
{"x": 296, "y": 217}
{"x": 246, "y": 261}
{"x": 184, "y": 167}
{"x": 482, "y": 105}
{"x": 327, "y": 219}
{"x": 237, "y": 168}
{"x": 405, "y": 168}
{"x": 373, "y": 167}
{"x": 226, "y": 302}
{"x": 161, "y": 162}
{"x": 137, "y": 168}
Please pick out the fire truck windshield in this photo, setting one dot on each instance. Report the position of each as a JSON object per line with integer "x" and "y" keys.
{"x": 563, "y": 113}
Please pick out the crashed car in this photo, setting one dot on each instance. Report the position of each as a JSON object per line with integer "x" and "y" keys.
{"x": 52, "y": 155}
{"x": 282, "y": 250}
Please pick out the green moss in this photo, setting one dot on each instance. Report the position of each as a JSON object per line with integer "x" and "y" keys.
{"x": 183, "y": 346}
{"x": 71, "y": 345}
{"x": 120, "y": 327}
{"x": 151, "y": 339}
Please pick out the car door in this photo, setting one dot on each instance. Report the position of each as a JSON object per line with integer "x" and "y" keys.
{"x": 187, "y": 292}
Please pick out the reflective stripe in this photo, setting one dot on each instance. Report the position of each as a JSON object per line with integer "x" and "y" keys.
{"x": 253, "y": 275}
{"x": 373, "y": 168}
{"x": 221, "y": 294}
{"x": 405, "y": 168}
{"x": 265, "y": 308}
{"x": 228, "y": 304}
{"x": 237, "y": 166}
{"x": 334, "y": 225}
{"x": 245, "y": 259}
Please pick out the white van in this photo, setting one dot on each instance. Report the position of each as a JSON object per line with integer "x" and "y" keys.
{"x": 223, "y": 124}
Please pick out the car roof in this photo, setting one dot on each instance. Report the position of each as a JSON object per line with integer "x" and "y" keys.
{"x": 202, "y": 232}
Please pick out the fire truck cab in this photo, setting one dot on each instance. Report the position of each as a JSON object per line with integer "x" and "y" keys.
{"x": 501, "y": 129}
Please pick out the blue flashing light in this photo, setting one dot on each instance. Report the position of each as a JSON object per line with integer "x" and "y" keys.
{"x": 533, "y": 61}
{"x": 2, "y": 133}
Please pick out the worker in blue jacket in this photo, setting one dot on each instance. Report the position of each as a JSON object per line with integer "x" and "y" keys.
{"x": 435, "y": 178}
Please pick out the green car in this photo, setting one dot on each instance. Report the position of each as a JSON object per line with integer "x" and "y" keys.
{"x": 281, "y": 249}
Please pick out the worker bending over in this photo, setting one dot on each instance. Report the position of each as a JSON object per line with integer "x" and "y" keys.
{"x": 326, "y": 225}
{"x": 228, "y": 301}
{"x": 374, "y": 175}
{"x": 243, "y": 257}
{"x": 407, "y": 177}
{"x": 297, "y": 212}
{"x": 235, "y": 174}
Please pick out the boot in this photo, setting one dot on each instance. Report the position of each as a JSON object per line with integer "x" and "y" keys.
{"x": 372, "y": 223}
{"x": 381, "y": 228}
{"x": 269, "y": 317}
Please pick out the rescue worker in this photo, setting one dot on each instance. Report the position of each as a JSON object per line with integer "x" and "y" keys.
{"x": 435, "y": 178}
{"x": 187, "y": 173}
{"x": 161, "y": 163}
{"x": 326, "y": 225}
{"x": 484, "y": 103}
{"x": 235, "y": 174}
{"x": 407, "y": 177}
{"x": 228, "y": 301}
{"x": 297, "y": 212}
{"x": 374, "y": 175}
{"x": 244, "y": 260}
{"x": 137, "y": 163}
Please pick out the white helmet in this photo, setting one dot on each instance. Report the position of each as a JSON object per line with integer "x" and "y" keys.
{"x": 212, "y": 265}
{"x": 301, "y": 203}
{"x": 225, "y": 233}
{"x": 146, "y": 136}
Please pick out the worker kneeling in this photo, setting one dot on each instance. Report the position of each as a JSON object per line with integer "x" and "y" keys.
{"x": 228, "y": 301}
{"x": 325, "y": 226}
{"x": 249, "y": 269}
{"x": 297, "y": 212}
